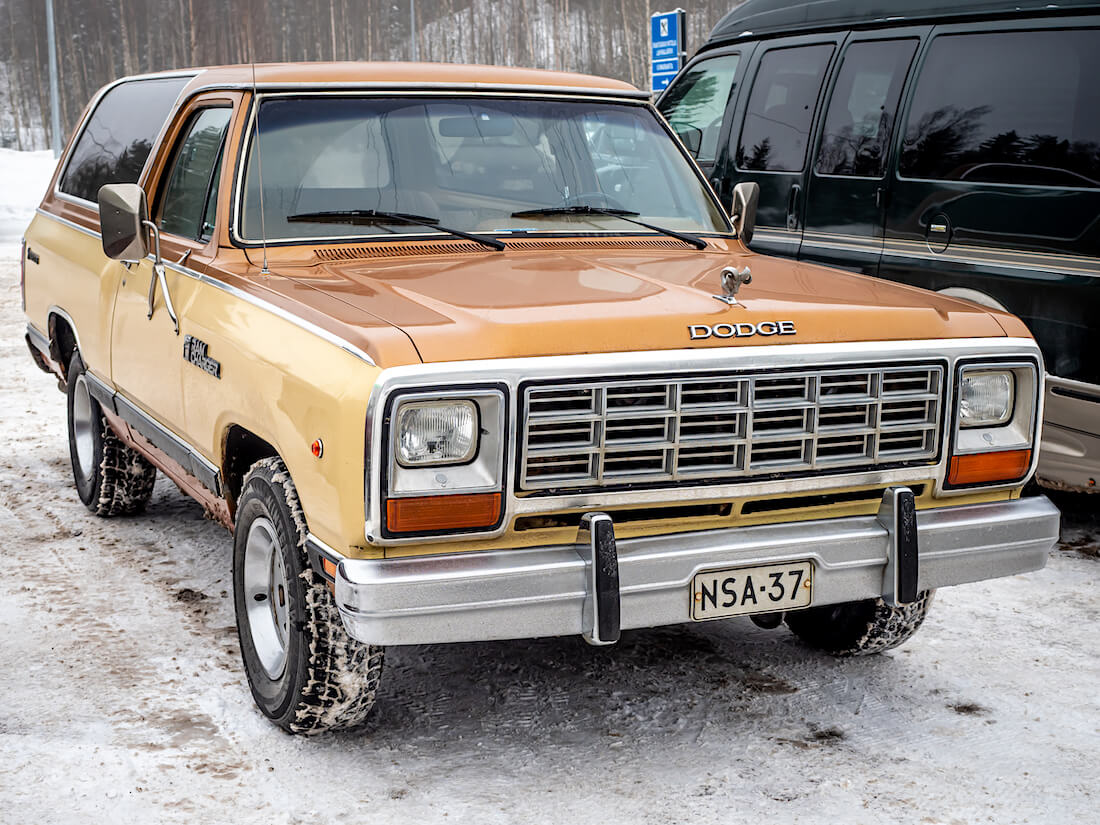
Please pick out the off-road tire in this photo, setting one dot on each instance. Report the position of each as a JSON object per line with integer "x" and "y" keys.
{"x": 329, "y": 680}
{"x": 121, "y": 479}
{"x": 859, "y": 628}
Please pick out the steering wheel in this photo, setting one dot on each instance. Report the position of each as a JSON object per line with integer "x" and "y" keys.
{"x": 586, "y": 198}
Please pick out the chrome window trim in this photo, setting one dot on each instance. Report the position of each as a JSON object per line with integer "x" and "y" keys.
{"x": 278, "y": 311}
{"x": 513, "y": 371}
{"x": 63, "y": 164}
{"x": 466, "y": 90}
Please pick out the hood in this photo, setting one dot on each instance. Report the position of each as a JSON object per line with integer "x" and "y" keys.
{"x": 569, "y": 301}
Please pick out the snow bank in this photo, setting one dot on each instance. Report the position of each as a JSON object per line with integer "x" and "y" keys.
{"x": 24, "y": 177}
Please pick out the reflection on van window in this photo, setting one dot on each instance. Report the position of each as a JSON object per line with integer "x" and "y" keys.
{"x": 861, "y": 113}
{"x": 777, "y": 122}
{"x": 119, "y": 136}
{"x": 695, "y": 105}
{"x": 187, "y": 198}
{"x": 1026, "y": 110}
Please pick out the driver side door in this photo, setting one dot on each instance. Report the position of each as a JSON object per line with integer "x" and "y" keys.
{"x": 148, "y": 346}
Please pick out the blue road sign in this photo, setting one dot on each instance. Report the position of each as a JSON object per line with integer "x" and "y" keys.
{"x": 667, "y": 53}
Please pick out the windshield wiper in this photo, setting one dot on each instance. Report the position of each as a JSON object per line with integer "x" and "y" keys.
{"x": 366, "y": 217}
{"x": 621, "y": 214}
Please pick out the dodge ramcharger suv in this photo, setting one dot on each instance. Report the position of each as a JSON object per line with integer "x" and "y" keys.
{"x": 467, "y": 353}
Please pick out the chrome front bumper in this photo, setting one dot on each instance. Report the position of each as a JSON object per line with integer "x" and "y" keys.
{"x": 547, "y": 591}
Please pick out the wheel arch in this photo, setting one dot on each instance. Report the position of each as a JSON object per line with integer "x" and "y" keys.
{"x": 64, "y": 340}
{"x": 241, "y": 448}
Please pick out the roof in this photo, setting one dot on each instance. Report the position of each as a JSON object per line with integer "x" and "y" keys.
{"x": 449, "y": 76}
{"x": 767, "y": 17}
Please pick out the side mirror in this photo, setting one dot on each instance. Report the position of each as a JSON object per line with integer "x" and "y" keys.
{"x": 743, "y": 213}
{"x": 122, "y": 213}
{"x": 692, "y": 138}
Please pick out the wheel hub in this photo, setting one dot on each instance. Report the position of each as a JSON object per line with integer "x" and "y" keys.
{"x": 83, "y": 423}
{"x": 267, "y": 597}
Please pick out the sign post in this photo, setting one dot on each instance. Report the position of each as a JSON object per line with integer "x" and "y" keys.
{"x": 667, "y": 53}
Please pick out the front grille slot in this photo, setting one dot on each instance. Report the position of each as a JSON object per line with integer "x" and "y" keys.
{"x": 616, "y": 432}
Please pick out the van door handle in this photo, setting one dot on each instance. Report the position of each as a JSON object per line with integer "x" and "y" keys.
{"x": 792, "y": 207}
{"x": 158, "y": 277}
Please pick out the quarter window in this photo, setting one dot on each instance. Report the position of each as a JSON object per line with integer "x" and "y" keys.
{"x": 1026, "y": 110}
{"x": 860, "y": 119}
{"x": 777, "y": 122}
{"x": 115, "y": 144}
{"x": 191, "y": 194}
{"x": 697, "y": 102}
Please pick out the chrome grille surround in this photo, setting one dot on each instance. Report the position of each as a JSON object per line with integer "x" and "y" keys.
{"x": 615, "y": 432}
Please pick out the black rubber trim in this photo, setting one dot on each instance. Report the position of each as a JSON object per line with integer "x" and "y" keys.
{"x": 605, "y": 561}
{"x": 906, "y": 564}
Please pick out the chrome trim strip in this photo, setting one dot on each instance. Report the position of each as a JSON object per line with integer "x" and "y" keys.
{"x": 541, "y": 591}
{"x": 279, "y": 312}
{"x": 683, "y": 363}
{"x": 71, "y": 224}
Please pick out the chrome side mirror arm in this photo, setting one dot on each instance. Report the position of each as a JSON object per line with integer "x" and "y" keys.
{"x": 159, "y": 276}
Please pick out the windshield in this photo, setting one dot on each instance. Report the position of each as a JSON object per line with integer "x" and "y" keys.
{"x": 468, "y": 164}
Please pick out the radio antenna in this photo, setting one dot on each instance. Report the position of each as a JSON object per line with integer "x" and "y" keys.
{"x": 260, "y": 164}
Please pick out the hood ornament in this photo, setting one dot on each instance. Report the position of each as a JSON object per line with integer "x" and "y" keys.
{"x": 732, "y": 280}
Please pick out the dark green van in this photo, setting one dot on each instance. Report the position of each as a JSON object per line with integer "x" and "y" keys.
{"x": 952, "y": 146}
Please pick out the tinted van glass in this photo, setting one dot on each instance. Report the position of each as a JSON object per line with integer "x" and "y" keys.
{"x": 860, "y": 120}
{"x": 119, "y": 136}
{"x": 695, "y": 105}
{"x": 777, "y": 122}
{"x": 1026, "y": 110}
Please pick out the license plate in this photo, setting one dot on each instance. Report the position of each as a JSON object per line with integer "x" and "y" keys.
{"x": 738, "y": 591}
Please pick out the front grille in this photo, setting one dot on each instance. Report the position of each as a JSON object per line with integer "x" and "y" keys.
{"x": 617, "y": 432}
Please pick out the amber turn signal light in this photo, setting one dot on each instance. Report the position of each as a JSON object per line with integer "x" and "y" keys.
{"x": 425, "y": 514}
{"x": 984, "y": 468}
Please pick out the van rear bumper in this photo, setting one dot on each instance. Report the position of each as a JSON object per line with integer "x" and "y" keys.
{"x": 546, "y": 591}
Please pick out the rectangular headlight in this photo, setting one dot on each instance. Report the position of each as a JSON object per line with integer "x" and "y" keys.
{"x": 436, "y": 433}
{"x": 986, "y": 398}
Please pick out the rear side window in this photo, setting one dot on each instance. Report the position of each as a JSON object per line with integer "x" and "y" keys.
{"x": 777, "y": 122}
{"x": 1026, "y": 110}
{"x": 860, "y": 120}
{"x": 696, "y": 104}
{"x": 191, "y": 193}
{"x": 119, "y": 136}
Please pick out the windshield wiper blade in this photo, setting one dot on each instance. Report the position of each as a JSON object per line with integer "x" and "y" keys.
{"x": 366, "y": 217}
{"x": 621, "y": 214}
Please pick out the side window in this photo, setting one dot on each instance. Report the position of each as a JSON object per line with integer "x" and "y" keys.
{"x": 861, "y": 113}
{"x": 187, "y": 207}
{"x": 119, "y": 136}
{"x": 1025, "y": 111}
{"x": 777, "y": 121}
{"x": 694, "y": 106}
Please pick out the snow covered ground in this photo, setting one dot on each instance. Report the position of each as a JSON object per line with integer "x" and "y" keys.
{"x": 124, "y": 700}
{"x": 23, "y": 180}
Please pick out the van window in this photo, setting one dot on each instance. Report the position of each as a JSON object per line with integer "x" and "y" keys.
{"x": 192, "y": 189}
{"x": 695, "y": 105}
{"x": 1026, "y": 110}
{"x": 777, "y": 122}
{"x": 119, "y": 136}
{"x": 860, "y": 119}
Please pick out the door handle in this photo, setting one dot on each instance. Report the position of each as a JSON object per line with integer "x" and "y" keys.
{"x": 158, "y": 277}
{"x": 792, "y": 207}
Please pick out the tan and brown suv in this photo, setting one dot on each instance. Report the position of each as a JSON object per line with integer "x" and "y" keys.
{"x": 461, "y": 353}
